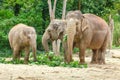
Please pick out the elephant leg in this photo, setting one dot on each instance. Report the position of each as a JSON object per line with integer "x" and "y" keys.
{"x": 94, "y": 56}
{"x": 26, "y": 58}
{"x": 15, "y": 53}
{"x": 101, "y": 56}
{"x": 65, "y": 50}
{"x": 67, "y": 56}
{"x": 19, "y": 55}
{"x": 102, "y": 51}
{"x": 34, "y": 53}
{"x": 54, "y": 46}
{"x": 82, "y": 56}
{"x": 58, "y": 47}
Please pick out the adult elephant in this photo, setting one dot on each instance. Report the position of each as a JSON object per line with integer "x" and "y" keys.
{"x": 86, "y": 31}
{"x": 54, "y": 32}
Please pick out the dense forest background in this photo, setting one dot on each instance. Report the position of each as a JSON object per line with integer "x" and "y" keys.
{"x": 35, "y": 13}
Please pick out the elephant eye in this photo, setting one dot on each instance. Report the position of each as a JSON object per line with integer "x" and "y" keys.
{"x": 55, "y": 26}
{"x": 49, "y": 30}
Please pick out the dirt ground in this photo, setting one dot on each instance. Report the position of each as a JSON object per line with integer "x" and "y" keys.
{"x": 109, "y": 71}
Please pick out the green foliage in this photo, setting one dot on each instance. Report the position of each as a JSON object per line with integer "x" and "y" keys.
{"x": 35, "y": 13}
{"x": 76, "y": 50}
{"x": 2, "y": 60}
{"x": 100, "y": 7}
{"x": 6, "y": 14}
{"x": 76, "y": 64}
{"x": 65, "y": 37}
{"x": 116, "y": 33}
{"x": 28, "y": 15}
{"x": 49, "y": 59}
{"x": 45, "y": 59}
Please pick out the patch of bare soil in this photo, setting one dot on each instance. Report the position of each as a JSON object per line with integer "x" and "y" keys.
{"x": 109, "y": 71}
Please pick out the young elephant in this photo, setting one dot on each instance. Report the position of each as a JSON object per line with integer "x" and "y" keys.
{"x": 53, "y": 32}
{"x": 86, "y": 31}
{"x": 22, "y": 37}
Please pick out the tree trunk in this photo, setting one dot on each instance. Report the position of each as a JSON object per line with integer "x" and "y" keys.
{"x": 79, "y": 5}
{"x": 64, "y": 9}
{"x": 111, "y": 27}
{"x": 54, "y": 8}
{"x": 50, "y": 10}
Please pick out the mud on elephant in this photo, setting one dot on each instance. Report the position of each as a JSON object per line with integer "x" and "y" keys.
{"x": 54, "y": 32}
{"x": 86, "y": 31}
{"x": 22, "y": 37}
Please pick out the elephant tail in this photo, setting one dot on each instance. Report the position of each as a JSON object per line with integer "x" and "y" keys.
{"x": 106, "y": 40}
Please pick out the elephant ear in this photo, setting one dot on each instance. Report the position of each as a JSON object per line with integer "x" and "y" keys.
{"x": 84, "y": 24}
{"x": 78, "y": 26}
{"x": 46, "y": 34}
{"x": 22, "y": 35}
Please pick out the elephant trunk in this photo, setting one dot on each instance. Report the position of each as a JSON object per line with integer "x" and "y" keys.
{"x": 71, "y": 31}
{"x": 45, "y": 41}
{"x": 34, "y": 52}
{"x": 33, "y": 46}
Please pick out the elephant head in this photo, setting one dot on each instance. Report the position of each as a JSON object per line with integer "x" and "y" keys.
{"x": 54, "y": 31}
{"x": 76, "y": 25}
{"x": 31, "y": 36}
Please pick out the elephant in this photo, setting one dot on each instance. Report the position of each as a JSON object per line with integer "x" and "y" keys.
{"x": 86, "y": 31}
{"x": 22, "y": 37}
{"x": 54, "y": 32}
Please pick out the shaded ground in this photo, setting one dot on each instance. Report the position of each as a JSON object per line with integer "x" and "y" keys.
{"x": 109, "y": 71}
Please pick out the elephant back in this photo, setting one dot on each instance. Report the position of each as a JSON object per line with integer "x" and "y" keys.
{"x": 97, "y": 22}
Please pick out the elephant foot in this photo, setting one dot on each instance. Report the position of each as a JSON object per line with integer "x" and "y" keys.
{"x": 57, "y": 54}
{"x": 81, "y": 62}
{"x": 35, "y": 60}
{"x": 25, "y": 62}
{"x": 68, "y": 61}
{"x": 101, "y": 62}
{"x": 94, "y": 62}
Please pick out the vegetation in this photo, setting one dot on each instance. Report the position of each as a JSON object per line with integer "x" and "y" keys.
{"x": 35, "y": 13}
{"x": 45, "y": 59}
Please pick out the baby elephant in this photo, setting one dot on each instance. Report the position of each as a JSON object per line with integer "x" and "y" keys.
{"x": 22, "y": 37}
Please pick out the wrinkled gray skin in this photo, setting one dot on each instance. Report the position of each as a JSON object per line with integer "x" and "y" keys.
{"x": 53, "y": 32}
{"x": 86, "y": 31}
{"x": 22, "y": 37}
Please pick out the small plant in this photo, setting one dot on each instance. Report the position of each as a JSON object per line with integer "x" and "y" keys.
{"x": 2, "y": 60}
{"x": 65, "y": 37}
{"x": 74, "y": 64}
